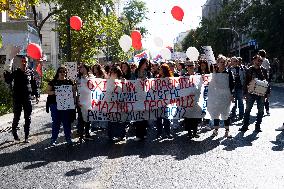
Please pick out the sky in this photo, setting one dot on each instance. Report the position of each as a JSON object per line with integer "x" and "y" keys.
{"x": 163, "y": 25}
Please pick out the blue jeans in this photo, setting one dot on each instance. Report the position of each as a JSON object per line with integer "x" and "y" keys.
{"x": 59, "y": 116}
{"x": 238, "y": 102}
{"x": 251, "y": 98}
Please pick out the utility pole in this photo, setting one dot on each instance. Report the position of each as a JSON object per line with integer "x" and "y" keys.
{"x": 68, "y": 42}
{"x": 107, "y": 55}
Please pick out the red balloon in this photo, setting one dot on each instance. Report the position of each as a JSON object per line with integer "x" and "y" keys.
{"x": 137, "y": 45}
{"x": 136, "y": 35}
{"x": 34, "y": 51}
{"x": 177, "y": 13}
{"x": 76, "y": 22}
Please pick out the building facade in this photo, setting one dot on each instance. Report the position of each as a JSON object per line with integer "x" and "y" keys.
{"x": 50, "y": 40}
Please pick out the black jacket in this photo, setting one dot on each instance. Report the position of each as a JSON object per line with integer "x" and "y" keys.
{"x": 22, "y": 84}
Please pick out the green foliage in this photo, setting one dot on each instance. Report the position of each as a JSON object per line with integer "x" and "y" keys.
{"x": 133, "y": 14}
{"x": 262, "y": 20}
{"x": 48, "y": 75}
{"x": 100, "y": 32}
{"x": 6, "y": 100}
{"x": 16, "y": 8}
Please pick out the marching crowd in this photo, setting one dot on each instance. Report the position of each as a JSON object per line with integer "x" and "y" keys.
{"x": 240, "y": 78}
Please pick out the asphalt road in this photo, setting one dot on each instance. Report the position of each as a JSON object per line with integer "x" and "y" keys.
{"x": 247, "y": 160}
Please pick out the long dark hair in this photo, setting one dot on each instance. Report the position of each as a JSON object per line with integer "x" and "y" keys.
{"x": 166, "y": 70}
{"x": 101, "y": 71}
{"x": 141, "y": 62}
{"x": 203, "y": 61}
{"x": 116, "y": 69}
{"x": 126, "y": 75}
{"x": 57, "y": 72}
{"x": 87, "y": 68}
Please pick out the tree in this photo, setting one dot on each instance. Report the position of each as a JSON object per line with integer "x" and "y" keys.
{"x": 16, "y": 8}
{"x": 100, "y": 32}
{"x": 133, "y": 14}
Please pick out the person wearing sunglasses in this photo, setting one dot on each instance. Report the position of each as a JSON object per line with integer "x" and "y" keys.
{"x": 255, "y": 74}
{"x": 59, "y": 116}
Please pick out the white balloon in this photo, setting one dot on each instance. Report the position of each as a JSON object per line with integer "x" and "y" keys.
{"x": 166, "y": 53}
{"x": 158, "y": 42}
{"x": 192, "y": 53}
{"x": 125, "y": 42}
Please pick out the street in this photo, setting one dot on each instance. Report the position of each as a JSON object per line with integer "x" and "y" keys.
{"x": 249, "y": 160}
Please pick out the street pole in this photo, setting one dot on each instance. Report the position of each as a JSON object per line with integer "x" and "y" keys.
{"x": 238, "y": 36}
{"x": 107, "y": 55}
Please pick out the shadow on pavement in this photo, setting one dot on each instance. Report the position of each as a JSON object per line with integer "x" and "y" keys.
{"x": 79, "y": 171}
{"x": 279, "y": 142}
{"x": 239, "y": 141}
{"x": 41, "y": 153}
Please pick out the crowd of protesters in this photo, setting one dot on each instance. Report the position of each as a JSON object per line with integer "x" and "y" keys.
{"x": 239, "y": 78}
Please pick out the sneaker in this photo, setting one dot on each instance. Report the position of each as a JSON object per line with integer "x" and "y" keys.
{"x": 280, "y": 128}
{"x": 243, "y": 129}
{"x": 16, "y": 137}
{"x": 268, "y": 113}
{"x": 26, "y": 140}
{"x": 258, "y": 130}
{"x": 215, "y": 133}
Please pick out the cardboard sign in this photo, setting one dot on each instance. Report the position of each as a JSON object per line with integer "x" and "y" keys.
{"x": 71, "y": 70}
{"x": 64, "y": 97}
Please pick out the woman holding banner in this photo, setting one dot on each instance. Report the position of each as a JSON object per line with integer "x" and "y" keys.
{"x": 164, "y": 72}
{"x": 99, "y": 72}
{"x": 142, "y": 72}
{"x": 190, "y": 124}
{"x": 83, "y": 127}
{"x": 57, "y": 115}
{"x": 224, "y": 89}
{"x": 116, "y": 130}
{"x": 203, "y": 69}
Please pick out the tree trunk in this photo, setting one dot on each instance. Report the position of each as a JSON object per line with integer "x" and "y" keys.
{"x": 68, "y": 43}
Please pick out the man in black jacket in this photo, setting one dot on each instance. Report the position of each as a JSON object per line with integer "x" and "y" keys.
{"x": 21, "y": 97}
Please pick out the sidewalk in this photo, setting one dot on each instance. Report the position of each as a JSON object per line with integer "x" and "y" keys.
{"x": 8, "y": 118}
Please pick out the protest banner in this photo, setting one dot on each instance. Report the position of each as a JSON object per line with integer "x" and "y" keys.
{"x": 64, "y": 97}
{"x": 71, "y": 68}
{"x": 133, "y": 100}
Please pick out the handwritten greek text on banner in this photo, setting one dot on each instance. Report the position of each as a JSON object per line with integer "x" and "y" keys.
{"x": 133, "y": 100}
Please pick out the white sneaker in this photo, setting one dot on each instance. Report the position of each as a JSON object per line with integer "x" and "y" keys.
{"x": 280, "y": 128}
